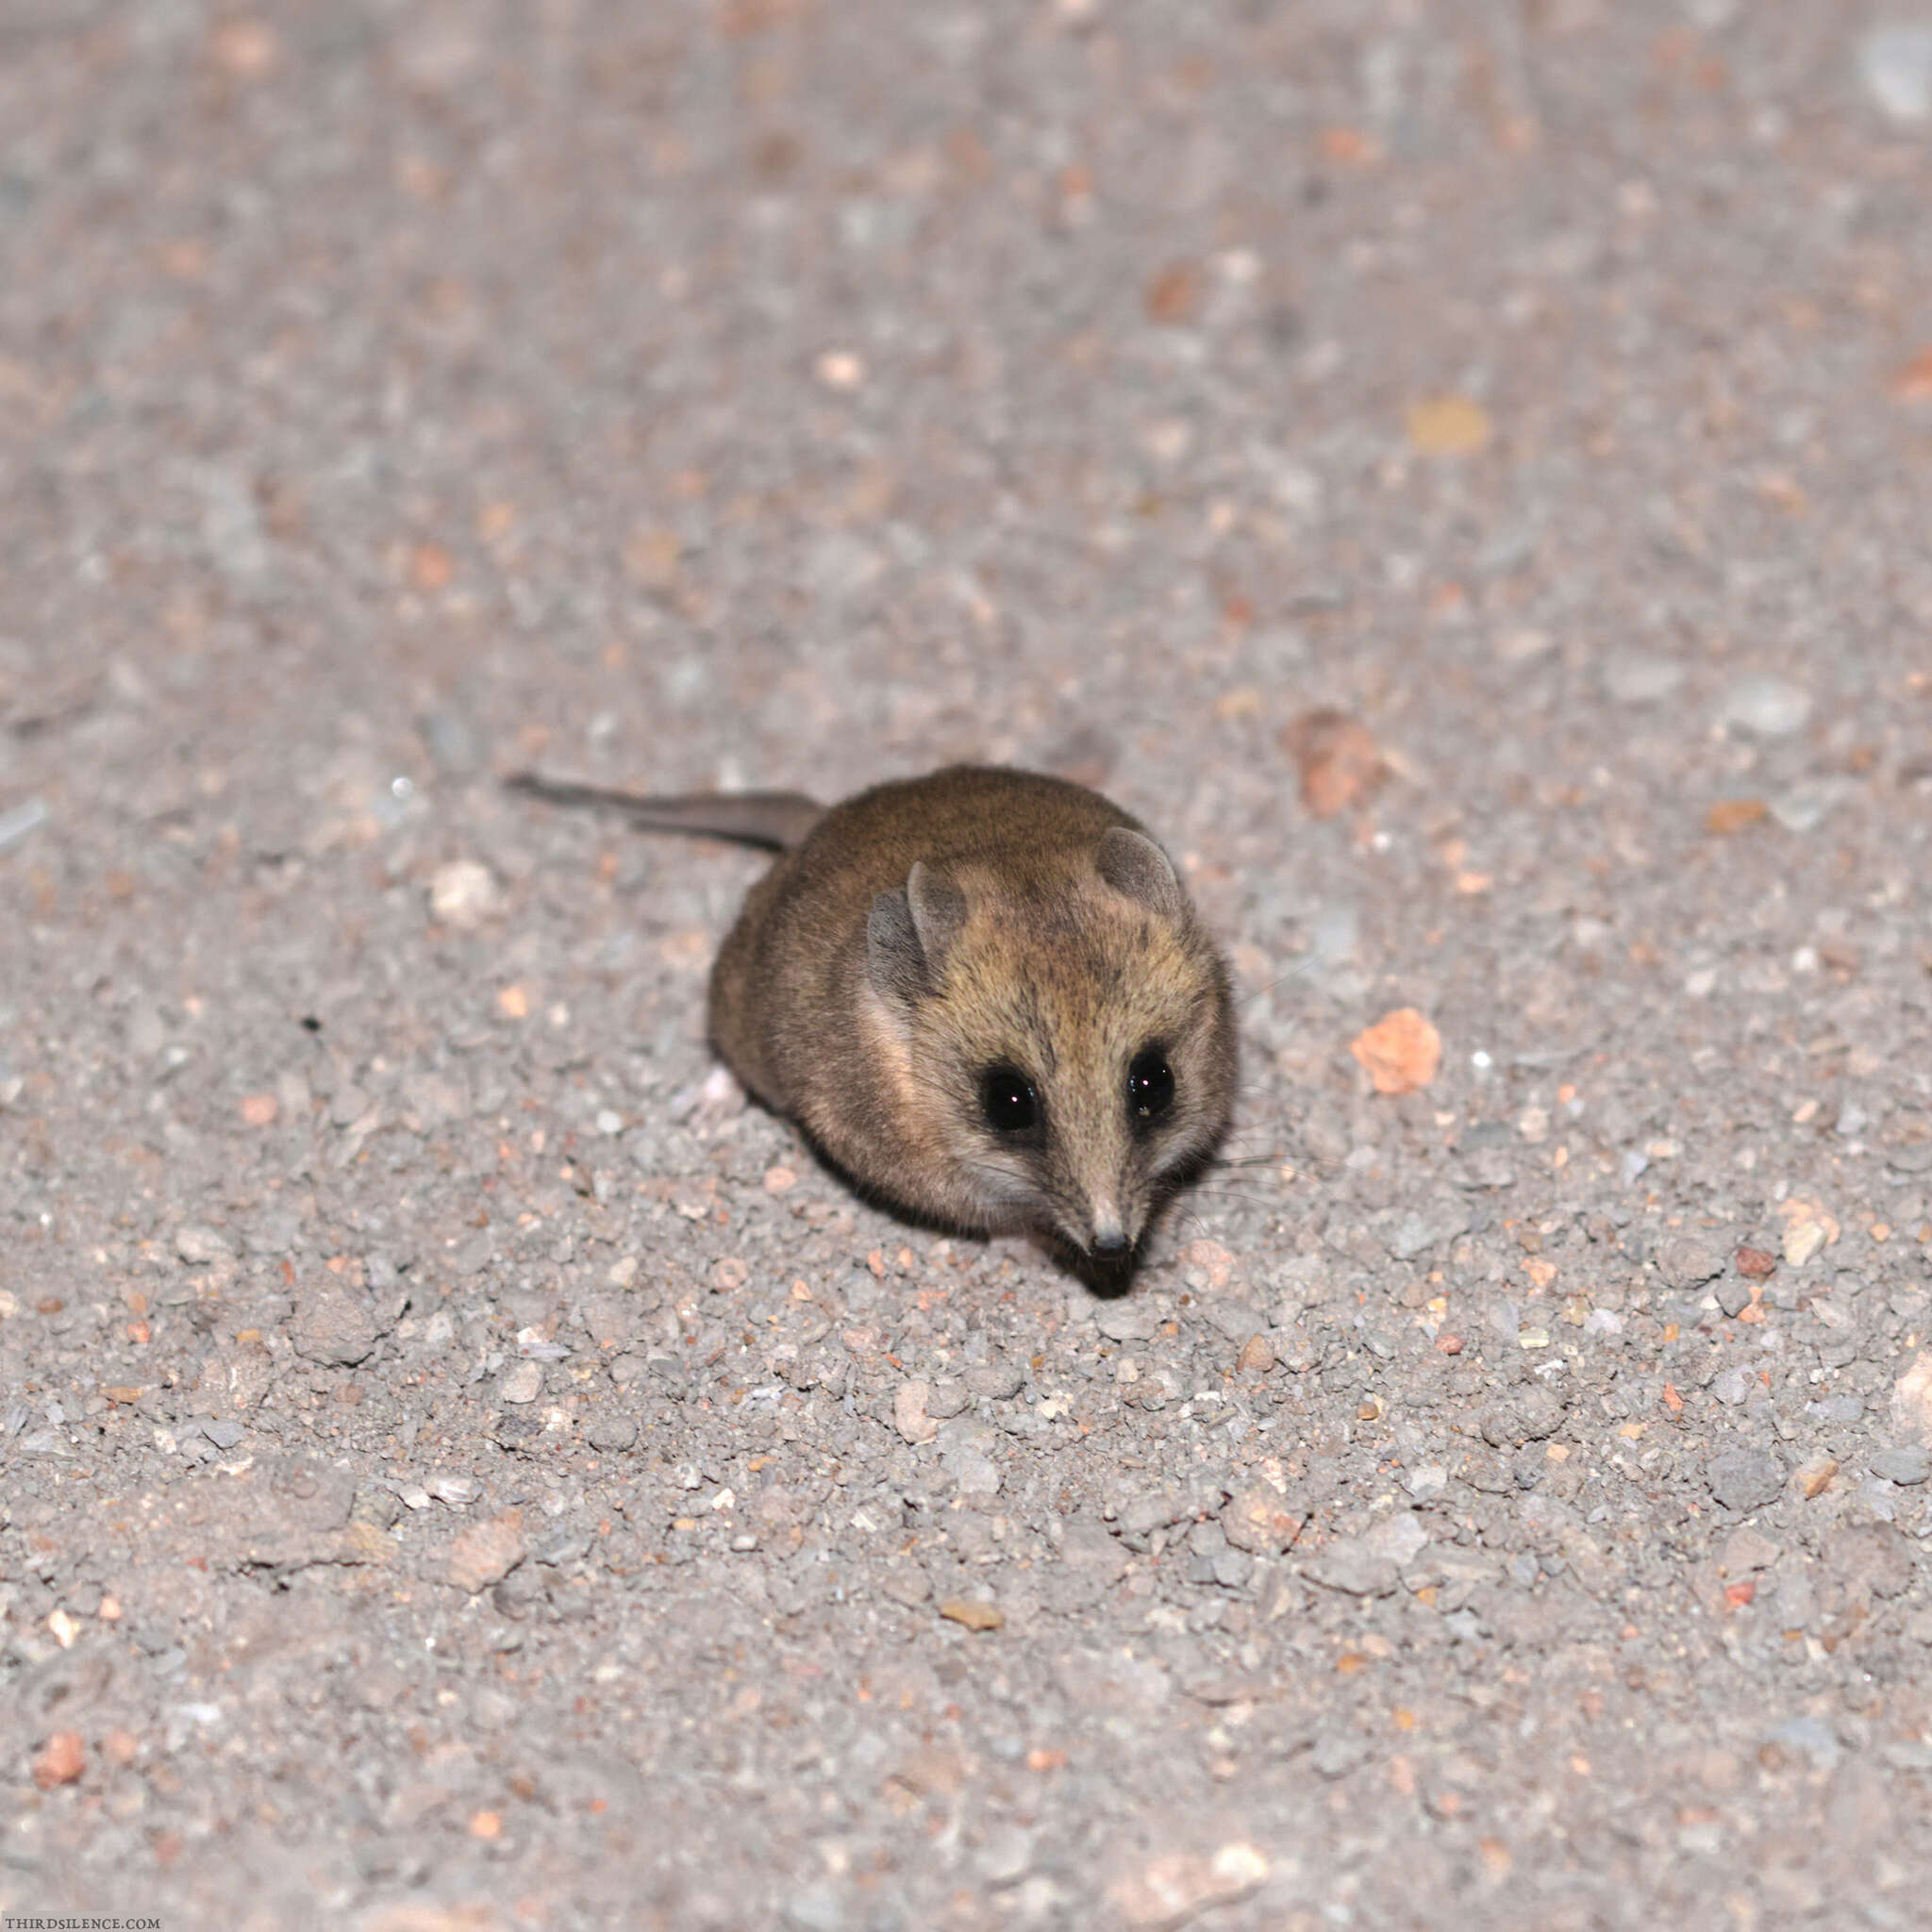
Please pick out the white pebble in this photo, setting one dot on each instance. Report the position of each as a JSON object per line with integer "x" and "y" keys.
{"x": 1895, "y": 64}
{"x": 462, "y": 894}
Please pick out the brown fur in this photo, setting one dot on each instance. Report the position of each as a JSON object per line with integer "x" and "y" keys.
{"x": 924, "y": 931}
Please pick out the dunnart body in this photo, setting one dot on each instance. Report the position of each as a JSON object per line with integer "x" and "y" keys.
{"x": 983, "y": 993}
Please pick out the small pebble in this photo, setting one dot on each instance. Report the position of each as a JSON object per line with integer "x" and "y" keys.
{"x": 463, "y": 895}
{"x": 1687, "y": 1264}
{"x": 1178, "y": 1887}
{"x": 1426, "y": 1483}
{"x": 1908, "y": 1466}
{"x": 1894, "y": 62}
{"x": 975, "y": 1473}
{"x": 1337, "y": 1752}
{"x": 1006, "y": 1856}
{"x": 1133, "y": 1317}
{"x": 61, "y": 1760}
{"x": 1806, "y": 805}
{"x": 333, "y": 1327}
{"x": 1766, "y": 707}
{"x": 1745, "y": 1479}
{"x": 1814, "y": 1476}
{"x": 947, "y": 1397}
{"x": 1813, "y": 1736}
{"x": 487, "y": 1552}
{"x": 909, "y": 1415}
{"x": 1912, "y": 1400}
{"x": 198, "y": 1246}
{"x": 996, "y": 1382}
{"x": 1353, "y": 1567}
{"x": 840, "y": 369}
{"x": 1747, "y": 1550}
{"x": 1257, "y": 1521}
{"x": 523, "y": 1383}
{"x": 610, "y": 1434}
{"x": 819, "y": 1907}
{"x": 19, "y": 820}
{"x": 905, "y": 1583}
{"x": 1803, "y": 1240}
{"x": 974, "y": 1612}
{"x": 1734, "y": 1296}
{"x": 1837, "y": 1408}
{"x": 1401, "y": 1538}
{"x": 1636, "y": 678}
{"x": 1257, "y": 1357}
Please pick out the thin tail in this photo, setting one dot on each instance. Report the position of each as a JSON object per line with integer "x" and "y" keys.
{"x": 776, "y": 820}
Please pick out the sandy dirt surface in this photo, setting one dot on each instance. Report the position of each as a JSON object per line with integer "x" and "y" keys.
{"x": 461, "y": 1468}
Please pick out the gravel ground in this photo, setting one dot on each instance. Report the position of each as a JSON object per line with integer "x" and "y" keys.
{"x": 460, "y": 1467}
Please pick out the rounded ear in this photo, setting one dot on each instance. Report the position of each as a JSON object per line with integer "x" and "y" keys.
{"x": 908, "y": 934}
{"x": 893, "y": 961}
{"x": 1138, "y": 869}
{"x": 939, "y": 913}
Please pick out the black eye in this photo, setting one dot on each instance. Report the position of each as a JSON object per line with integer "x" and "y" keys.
{"x": 1150, "y": 1086}
{"x": 1008, "y": 1100}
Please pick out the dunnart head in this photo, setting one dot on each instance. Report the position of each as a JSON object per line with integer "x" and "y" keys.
{"x": 1069, "y": 1038}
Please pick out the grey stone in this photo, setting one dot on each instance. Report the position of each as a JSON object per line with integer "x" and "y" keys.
{"x": 1686, "y": 1263}
{"x": 1352, "y": 1566}
{"x": 1909, "y": 1464}
{"x": 1837, "y": 1408}
{"x": 334, "y": 1327}
{"x": 523, "y": 1383}
{"x": 1132, "y": 1318}
{"x": 610, "y": 1434}
{"x": 1234, "y": 1321}
{"x": 1871, "y": 1558}
{"x": 1336, "y": 1751}
{"x": 1805, "y": 807}
{"x": 1733, "y": 1294}
{"x": 1733, "y": 1384}
{"x": 819, "y": 1907}
{"x": 1487, "y": 1168}
{"x": 1894, "y": 62}
{"x": 1794, "y": 1602}
{"x": 1637, "y": 678}
{"x": 1747, "y": 1550}
{"x": 1766, "y": 707}
{"x": 1531, "y": 1414}
{"x": 198, "y": 1245}
{"x": 1091, "y": 1563}
{"x": 1233, "y": 1569}
{"x": 998, "y": 1381}
{"x": 963, "y": 1446}
{"x": 1415, "y": 1232}
{"x": 1810, "y": 1737}
{"x": 947, "y": 1397}
{"x": 1745, "y": 1479}
{"x": 1401, "y": 1538}
{"x": 1006, "y": 1856}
